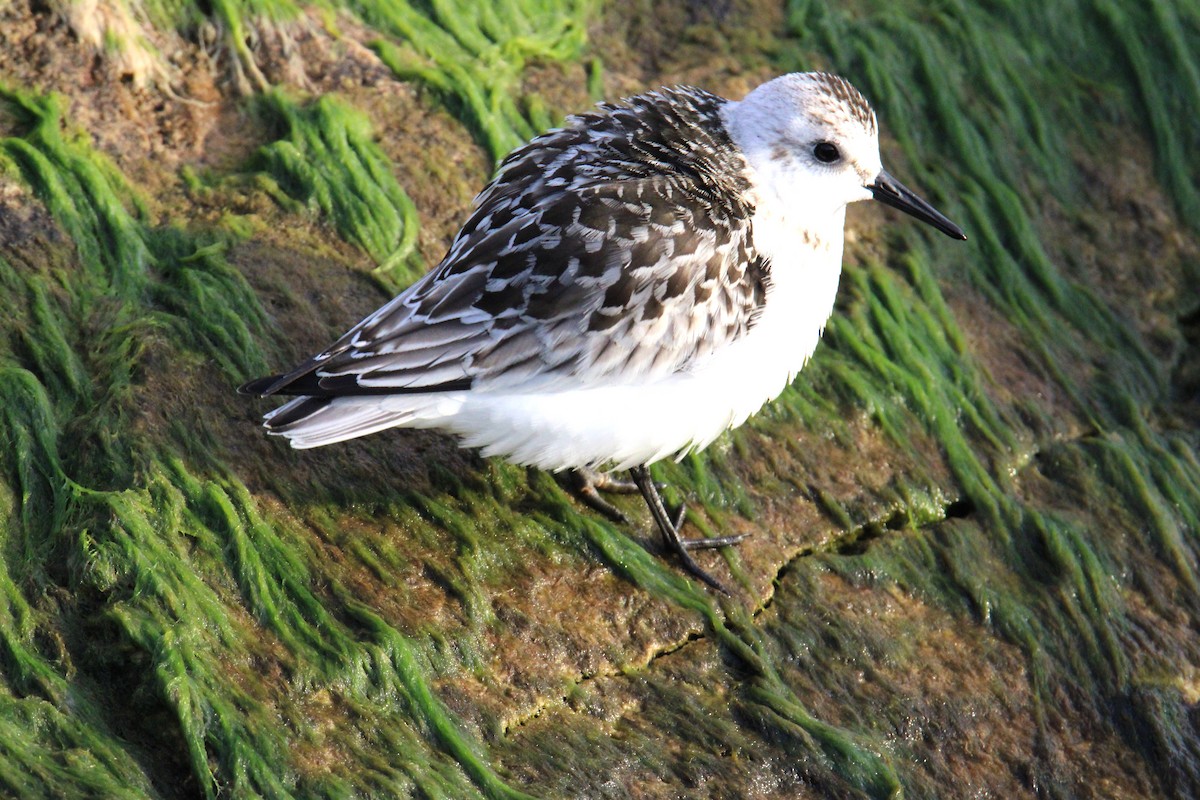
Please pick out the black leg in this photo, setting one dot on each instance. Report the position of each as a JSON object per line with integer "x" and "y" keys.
{"x": 670, "y": 529}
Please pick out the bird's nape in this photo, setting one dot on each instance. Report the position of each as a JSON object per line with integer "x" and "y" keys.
{"x": 892, "y": 192}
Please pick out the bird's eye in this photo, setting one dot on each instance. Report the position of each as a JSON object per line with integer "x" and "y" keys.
{"x": 826, "y": 152}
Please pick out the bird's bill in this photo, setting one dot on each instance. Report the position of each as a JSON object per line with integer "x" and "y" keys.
{"x": 892, "y": 192}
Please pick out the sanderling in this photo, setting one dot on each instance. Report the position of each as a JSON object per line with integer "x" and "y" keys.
{"x": 627, "y": 288}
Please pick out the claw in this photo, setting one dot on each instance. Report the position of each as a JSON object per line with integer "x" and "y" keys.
{"x": 669, "y": 528}
{"x": 607, "y": 482}
{"x": 680, "y": 514}
{"x": 586, "y": 484}
{"x": 713, "y": 543}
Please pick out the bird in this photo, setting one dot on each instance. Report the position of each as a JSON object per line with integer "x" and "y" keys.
{"x": 625, "y": 289}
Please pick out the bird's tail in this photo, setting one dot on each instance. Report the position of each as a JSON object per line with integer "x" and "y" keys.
{"x": 320, "y": 415}
{"x": 315, "y": 421}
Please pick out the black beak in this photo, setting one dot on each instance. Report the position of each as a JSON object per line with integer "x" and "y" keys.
{"x": 892, "y": 192}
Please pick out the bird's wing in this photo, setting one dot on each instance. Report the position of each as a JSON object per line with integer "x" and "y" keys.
{"x": 621, "y": 281}
{"x": 598, "y": 254}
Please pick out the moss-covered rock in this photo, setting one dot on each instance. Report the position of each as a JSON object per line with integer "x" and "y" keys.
{"x": 972, "y": 568}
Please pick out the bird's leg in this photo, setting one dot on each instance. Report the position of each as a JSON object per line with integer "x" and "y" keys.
{"x": 670, "y": 528}
{"x": 586, "y": 484}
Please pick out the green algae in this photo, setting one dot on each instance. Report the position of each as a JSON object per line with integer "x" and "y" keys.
{"x": 473, "y": 54}
{"x": 81, "y": 191}
{"x": 326, "y": 156}
{"x": 899, "y": 353}
{"x": 203, "y": 586}
{"x": 33, "y": 736}
{"x": 124, "y": 258}
{"x": 162, "y": 546}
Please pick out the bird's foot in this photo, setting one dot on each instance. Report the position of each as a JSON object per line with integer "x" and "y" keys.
{"x": 682, "y": 547}
{"x": 586, "y": 484}
{"x": 669, "y": 528}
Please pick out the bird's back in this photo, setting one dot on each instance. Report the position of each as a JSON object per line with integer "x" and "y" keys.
{"x": 617, "y": 248}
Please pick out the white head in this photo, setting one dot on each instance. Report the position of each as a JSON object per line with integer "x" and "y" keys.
{"x": 812, "y": 142}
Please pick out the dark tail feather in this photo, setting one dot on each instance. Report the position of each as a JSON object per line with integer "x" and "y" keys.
{"x": 260, "y": 386}
{"x": 298, "y": 381}
{"x": 312, "y": 385}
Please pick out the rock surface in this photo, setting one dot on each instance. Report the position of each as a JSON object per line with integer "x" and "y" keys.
{"x": 972, "y": 568}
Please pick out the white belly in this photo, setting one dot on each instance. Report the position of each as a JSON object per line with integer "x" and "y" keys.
{"x": 625, "y": 425}
{"x": 628, "y": 424}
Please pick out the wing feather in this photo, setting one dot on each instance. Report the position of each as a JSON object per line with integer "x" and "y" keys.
{"x": 616, "y": 249}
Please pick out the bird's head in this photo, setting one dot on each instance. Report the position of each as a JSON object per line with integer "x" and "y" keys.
{"x": 812, "y": 140}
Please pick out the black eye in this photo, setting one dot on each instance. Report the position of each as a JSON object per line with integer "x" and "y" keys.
{"x": 826, "y": 153}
